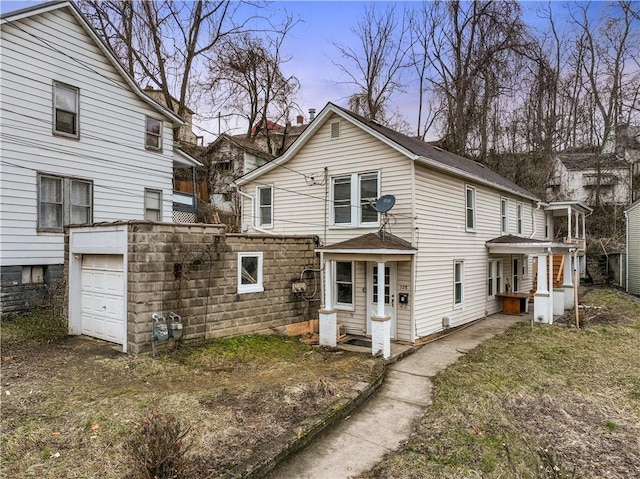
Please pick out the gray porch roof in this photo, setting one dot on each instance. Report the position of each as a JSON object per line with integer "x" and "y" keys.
{"x": 380, "y": 243}
{"x": 510, "y": 244}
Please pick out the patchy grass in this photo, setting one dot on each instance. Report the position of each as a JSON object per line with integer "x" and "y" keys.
{"x": 39, "y": 326}
{"x": 70, "y": 405}
{"x": 537, "y": 402}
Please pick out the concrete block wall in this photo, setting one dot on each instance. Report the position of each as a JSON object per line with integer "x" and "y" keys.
{"x": 19, "y": 294}
{"x": 192, "y": 270}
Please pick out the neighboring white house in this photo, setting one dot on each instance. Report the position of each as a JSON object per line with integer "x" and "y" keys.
{"x": 81, "y": 143}
{"x": 583, "y": 176}
{"x": 632, "y": 214}
{"x": 457, "y": 235}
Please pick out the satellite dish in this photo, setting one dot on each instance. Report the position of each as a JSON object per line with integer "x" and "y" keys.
{"x": 385, "y": 203}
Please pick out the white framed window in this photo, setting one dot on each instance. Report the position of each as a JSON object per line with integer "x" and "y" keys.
{"x": 153, "y": 134}
{"x": 458, "y": 283}
{"x": 152, "y": 205}
{"x": 343, "y": 285}
{"x": 264, "y": 208}
{"x": 504, "y": 216}
{"x": 470, "y": 205}
{"x": 353, "y": 199}
{"x": 525, "y": 267}
{"x": 250, "y": 273}
{"x": 63, "y": 201}
{"x": 66, "y": 110}
{"x": 519, "y": 217}
{"x": 494, "y": 277}
{"x": 490, "y": 280}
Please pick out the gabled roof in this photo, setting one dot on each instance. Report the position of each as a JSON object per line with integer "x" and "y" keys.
{"x": 591, "y": 161}
{"x": 374, "y": 241}
{"x": 242, "y": 142}
{"x": 412, "y": 148}
{"x": 39, "y": 9}
{"x": 632, "y": 206}
{"x": 184, "y": 159}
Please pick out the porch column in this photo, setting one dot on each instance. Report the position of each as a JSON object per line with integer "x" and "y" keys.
{"x": 584, "y": 227}
{"x": 567, "y": 284}
{"x": 327, "y": 315}
{"x": 542, "y": 298}
{"x": 577, "y": 236}
{"x": 569, "y": 223}
{"x": 550, "y": 312}
{"x": 381, "y": 323}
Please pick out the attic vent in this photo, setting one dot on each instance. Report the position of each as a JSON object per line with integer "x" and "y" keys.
{"x": 335, "y": 129}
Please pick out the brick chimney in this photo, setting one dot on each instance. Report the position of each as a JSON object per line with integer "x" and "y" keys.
{"x": 299, "y": 120}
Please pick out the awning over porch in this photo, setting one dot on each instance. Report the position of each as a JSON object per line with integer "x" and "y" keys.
{"x": 374, "y": 247}
{"x": 510, "y": 244}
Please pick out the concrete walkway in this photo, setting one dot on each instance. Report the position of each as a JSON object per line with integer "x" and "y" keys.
{"x": 382, "y": 423}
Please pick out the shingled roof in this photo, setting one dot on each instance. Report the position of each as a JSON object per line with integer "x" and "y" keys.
{"x": 591, "y": 161}
{"x": 373, "y": 241}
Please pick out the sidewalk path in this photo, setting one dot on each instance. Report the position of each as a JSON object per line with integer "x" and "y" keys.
{"x": 383, "y": 422}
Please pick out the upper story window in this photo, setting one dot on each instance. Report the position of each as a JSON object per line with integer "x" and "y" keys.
{"x": 66, "y": 109}
{"x": 470, "y": 201}
{"x": 353, "y": 198}
{"x": 63, "y": 201}
{"x": 250, "y": 273}
{"x": 519, "y": 217}
{"x": 152, "y": 205}
{"x": 265, "y": 206}
{"x": 504, "y": 215}
{"x": 153, "y": 134}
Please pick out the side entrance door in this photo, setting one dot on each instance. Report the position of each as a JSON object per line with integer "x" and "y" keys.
{"x": 389, "y": 294}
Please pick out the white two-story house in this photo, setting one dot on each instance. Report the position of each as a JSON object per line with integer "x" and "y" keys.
{"x": 80, "y": 143}
{"x": 456, "y": 236}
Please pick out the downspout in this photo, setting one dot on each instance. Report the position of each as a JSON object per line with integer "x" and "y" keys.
{"x": 533, "y": 219}
{"x": 259, "y": 230}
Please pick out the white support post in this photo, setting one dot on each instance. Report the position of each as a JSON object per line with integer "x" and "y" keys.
{"x": 550, "y": 306}
{"x": 567, "y": 283}
{"x": 577, "y": 236}
{"x": 380, "y": 322}
{"x": 569, "y": 223}
{"x": 584, "y": 227}
{"x": 328, "y": 317}
{"x": 541, "y": 297}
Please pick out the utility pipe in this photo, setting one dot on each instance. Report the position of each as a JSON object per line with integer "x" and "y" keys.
{"x": 533, "y": 219}
{"x": 259, "y": 230}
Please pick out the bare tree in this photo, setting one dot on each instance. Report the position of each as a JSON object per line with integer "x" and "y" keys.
{"x": 247, "y": 77}
{"x": 164, "y": 42}
{"x": 375, "y": 66}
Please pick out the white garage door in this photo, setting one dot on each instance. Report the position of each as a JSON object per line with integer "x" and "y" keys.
{"x": 103, "y": 312}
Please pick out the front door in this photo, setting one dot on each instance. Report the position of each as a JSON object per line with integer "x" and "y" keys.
{"x": 389, "y": 294}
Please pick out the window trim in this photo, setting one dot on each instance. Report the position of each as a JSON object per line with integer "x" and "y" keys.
{"x": 472, "y": 189}
{"x": 258, "y": 286}
{"x": 66, "y": 204}
{"x": 148, "y": 146}
{"x": 76, "y": 91}
{"x": 458, "y": 304}
{"x": 519, "y": 218}
{"x": 354, "y": 201}
{"x": 504, "y": 215}
{"x": 337, "y": 304}
{"x": 259, "y": 206}
{"x": 491, "y": 288}
{"x": 146, "y": 208}
{"x": 498, "y": 277}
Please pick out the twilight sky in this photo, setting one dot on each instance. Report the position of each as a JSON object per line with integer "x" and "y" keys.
{"x": 311, "y": 48}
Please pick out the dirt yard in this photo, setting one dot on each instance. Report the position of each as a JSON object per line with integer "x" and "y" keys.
{"x": 71, "y": 406}
{"x": 538, "y": 402}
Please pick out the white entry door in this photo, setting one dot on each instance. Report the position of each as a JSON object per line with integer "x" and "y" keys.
{"x": 390, "y": 296}
{"x": 103, "y": 286}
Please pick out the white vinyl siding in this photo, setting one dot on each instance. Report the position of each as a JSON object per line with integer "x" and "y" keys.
{"x": 264, "y": 207}
{"x": 110, "y": 151}
{"x": 300, "y": 207}
{"x": 633, "y": 249}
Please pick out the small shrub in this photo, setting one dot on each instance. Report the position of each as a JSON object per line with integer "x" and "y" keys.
{"x": 157, "y": 449}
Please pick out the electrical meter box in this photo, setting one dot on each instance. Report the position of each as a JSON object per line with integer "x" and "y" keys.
{"x": 403, "y": 298}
